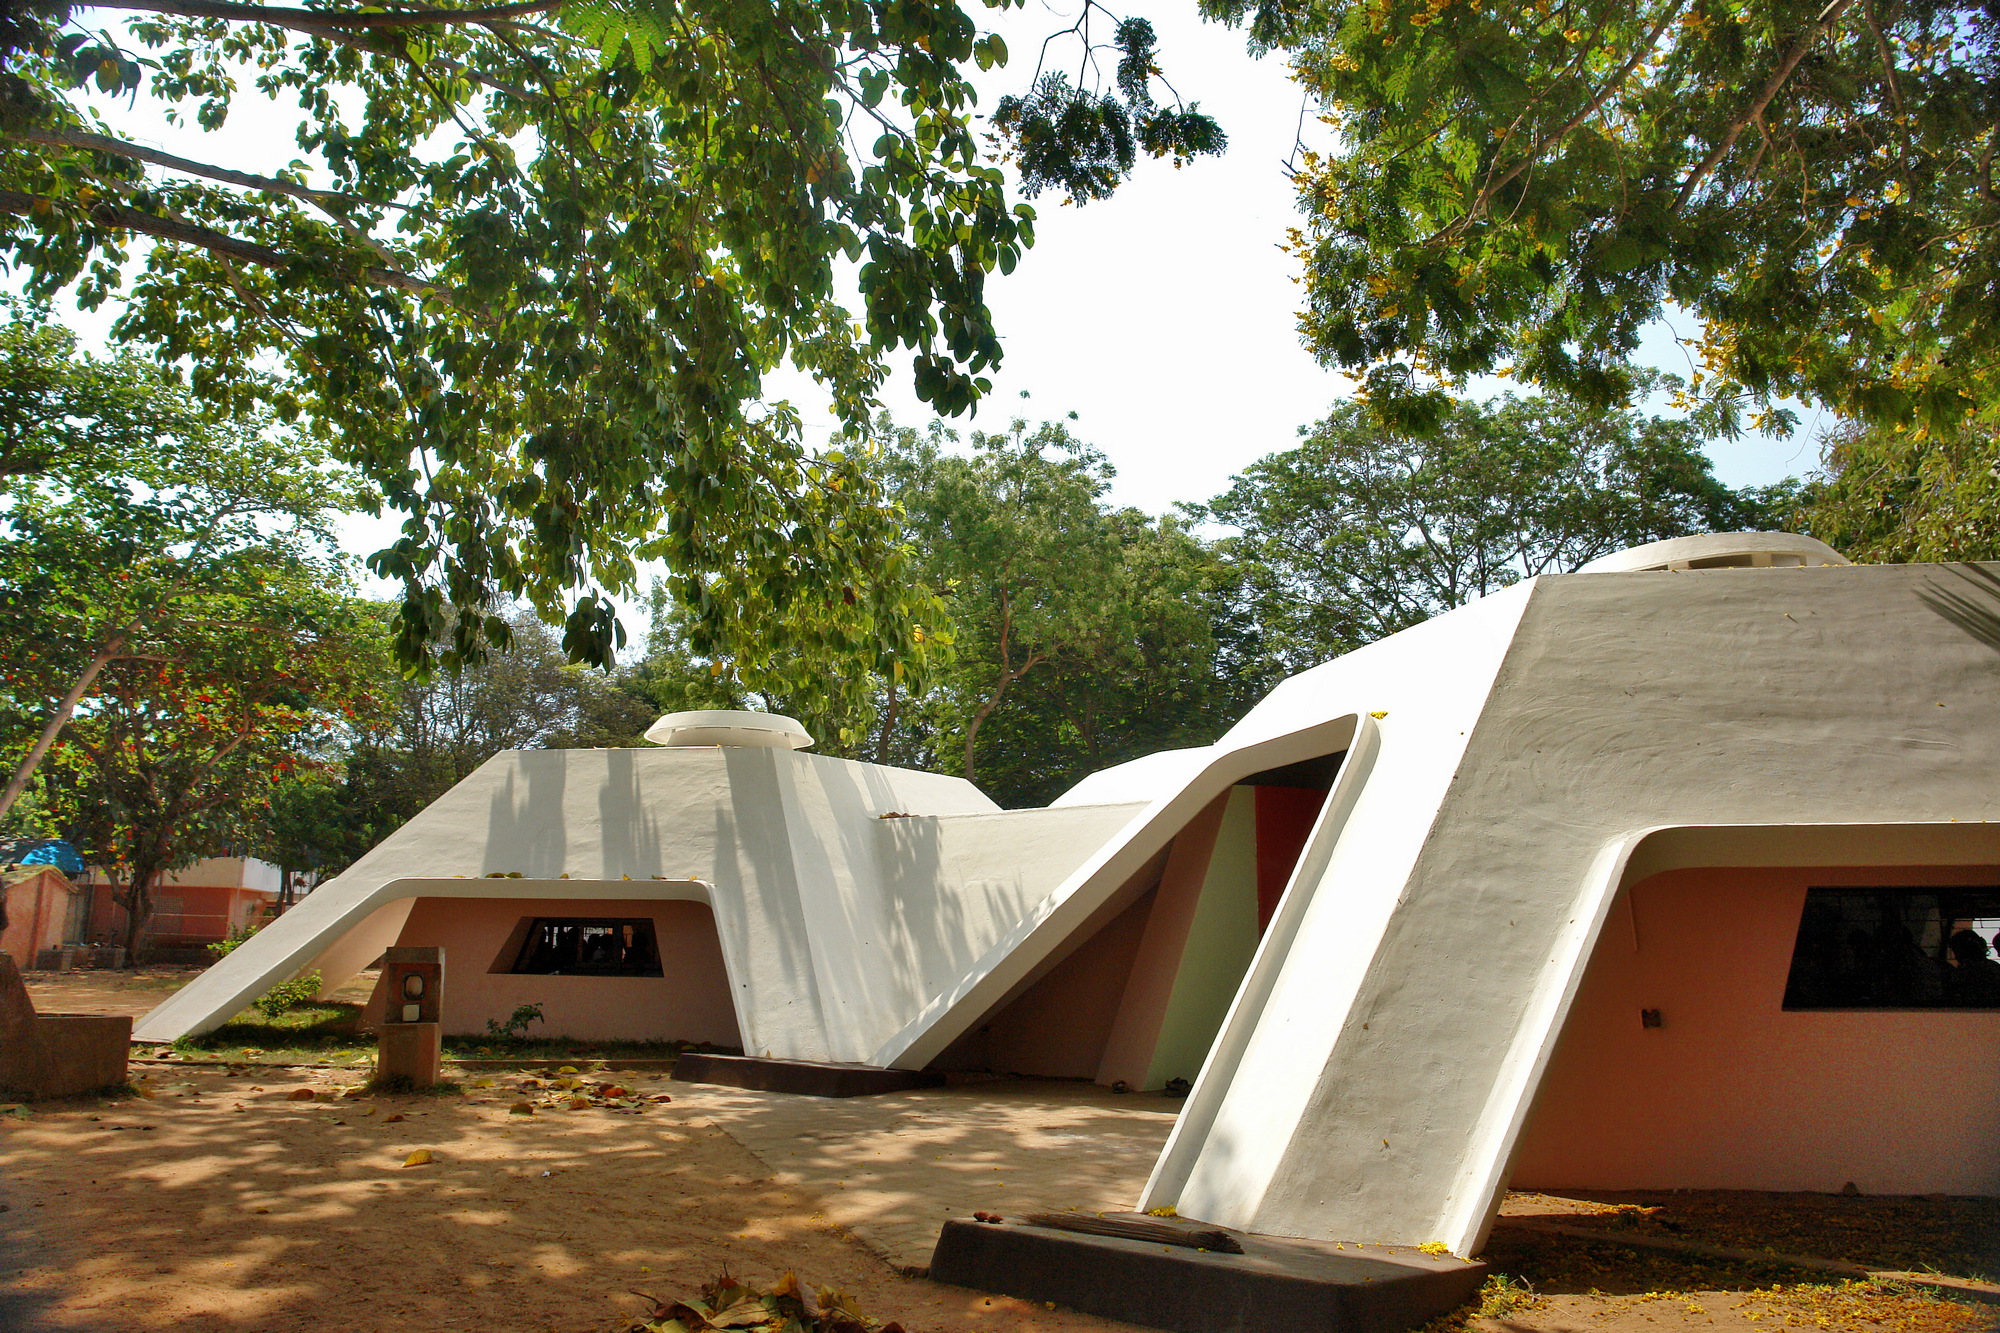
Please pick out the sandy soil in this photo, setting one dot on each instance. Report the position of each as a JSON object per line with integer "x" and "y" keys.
{"x": 221, "y": 1204}
{"x": 90, "y": 991}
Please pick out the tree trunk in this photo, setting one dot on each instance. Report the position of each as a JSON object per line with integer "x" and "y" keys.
{"x": 138, "y": 904}
{"x": 24, "y": 772}
{"x": 888, "y": 724}
{"x": 986, "y": 711}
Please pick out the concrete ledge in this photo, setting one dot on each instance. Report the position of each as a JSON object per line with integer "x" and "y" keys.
{"x": 808, "y": 1078}
{"x": 72, "y": 1054}
{"x": 1277, "y": 1285}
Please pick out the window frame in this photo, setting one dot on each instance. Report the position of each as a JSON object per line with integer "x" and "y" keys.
{"x": 646, "y": 937}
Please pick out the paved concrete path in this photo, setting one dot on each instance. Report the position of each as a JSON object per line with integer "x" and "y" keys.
{"x": 892, "y": 1168}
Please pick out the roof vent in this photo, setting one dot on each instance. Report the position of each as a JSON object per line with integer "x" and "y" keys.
{"x": 1720, "y": 550}
{"x": 724, "y": 726}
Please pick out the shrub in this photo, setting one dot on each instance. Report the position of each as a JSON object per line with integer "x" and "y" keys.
{"x": 517, "y": 1022}
{"x": 289, "y": 995}
{"x": 221, "y": 948}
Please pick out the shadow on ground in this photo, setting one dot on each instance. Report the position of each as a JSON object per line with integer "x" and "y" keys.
{"x": 221, "y": 1204}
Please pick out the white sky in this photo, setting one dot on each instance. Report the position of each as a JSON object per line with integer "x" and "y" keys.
{"x": 1164, "y": 317}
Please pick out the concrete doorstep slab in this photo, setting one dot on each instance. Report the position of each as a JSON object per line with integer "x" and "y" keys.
{"x": 809, "y": 1078}
{"x": 1277, "y": 1285}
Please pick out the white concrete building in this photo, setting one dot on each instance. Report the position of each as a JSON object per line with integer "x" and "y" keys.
{"x": 1661, "y": 873}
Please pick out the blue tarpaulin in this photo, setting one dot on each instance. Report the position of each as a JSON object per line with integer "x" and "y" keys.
{"x": 42, "y": 852}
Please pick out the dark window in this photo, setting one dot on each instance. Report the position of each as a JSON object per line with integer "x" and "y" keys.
{"x": 570, "y": 946}
{"x": 1896, "y": 949}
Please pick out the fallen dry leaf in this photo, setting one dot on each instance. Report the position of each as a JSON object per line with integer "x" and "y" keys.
{"x": 421, "y": 1157}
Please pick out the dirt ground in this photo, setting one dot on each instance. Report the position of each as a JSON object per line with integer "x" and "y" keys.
{"x": 220, "y": 1203}
{"x": 89, "y": 991}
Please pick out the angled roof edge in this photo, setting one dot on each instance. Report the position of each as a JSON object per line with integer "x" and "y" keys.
{"x": 948, "y": 1016}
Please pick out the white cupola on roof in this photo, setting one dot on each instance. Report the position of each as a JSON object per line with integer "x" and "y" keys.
{"x": 1720, "y": 550}
{"x": 725, "y": 726}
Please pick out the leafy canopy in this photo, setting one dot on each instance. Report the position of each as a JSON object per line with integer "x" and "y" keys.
{"x": 177, "y": 755}
{"x": 532, "y": 265}
{"x": 1083, "y": 139}
{"x": 1888, "y": 496}
{"x": 128, "y": 514}
{"x": 1532, "y": 184}
{"x": 1359, "y": 533}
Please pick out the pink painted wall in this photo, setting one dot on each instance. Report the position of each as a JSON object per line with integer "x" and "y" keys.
{"x": 1285, "y": 818}
{"x": 1058, "y": 1027}
{"x": 37, "y": 908}
{"x": 1142, "y": 1007}
{"x": 205, "y": 912}
{"x": 690, "y": 1003}
{"x": 1731, "y": 1092}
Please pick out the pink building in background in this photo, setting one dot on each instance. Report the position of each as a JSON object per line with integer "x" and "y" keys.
{"x": 192, "y": 907}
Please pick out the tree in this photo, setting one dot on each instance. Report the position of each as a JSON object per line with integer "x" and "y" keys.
{"x": 1013, "y": 540}
{"x": 176, "y": 755}
{"x": 1173, "y": 664}
{"x": 1081, "y": 633}
{"x": 377, "y": 770}
{"x": 1359, "y": 533}
{"x": 129, "y": 511}
{"x": 1891, "y": 496}
{"x": 534, "y": 264}
{"x": 1531, "y": 185}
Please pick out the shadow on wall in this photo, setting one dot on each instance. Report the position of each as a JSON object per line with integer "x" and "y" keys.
{"x": 1974, "y": 606}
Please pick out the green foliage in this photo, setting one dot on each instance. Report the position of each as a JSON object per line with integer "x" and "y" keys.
{"x": 1904, "y": 496}
{"x": 1361, "y": 532}
{"x": 545, "y": 265}
{"x": 225, "y": 946}
{"x": 287, "y": 995}
{"x": 180, "y": 749}
{"x": 517, "y": 1022}
{"x": 1082, "y": 634}
{"x": 132, "y": 520}
{"x": 1084, "y": 141}
{"x": 1531, "y": 185}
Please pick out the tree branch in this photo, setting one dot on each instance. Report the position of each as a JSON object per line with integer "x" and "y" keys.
{"x": 207, "y": 238}
{"x": 104, "y": 143}
{"x": 327, "y": 18}
{"x": 1611, "y": 85}
{"x": 320, "y": 199}
{"x": 1788, "y": 63}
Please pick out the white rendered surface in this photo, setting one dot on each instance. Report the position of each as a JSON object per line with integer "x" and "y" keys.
{"x": 1015, "y": 957}
{"x": 1836, "y": 713}
{"x": 729, "y": 726}
{"x": 1147, "y": 779}
{"x": 833, "y": 921}
{"x": 1755, "y": 550}
{"x": 1430, "y": 684}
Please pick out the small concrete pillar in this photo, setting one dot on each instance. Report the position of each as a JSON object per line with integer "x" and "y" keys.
{"x": 410, "y": 1046}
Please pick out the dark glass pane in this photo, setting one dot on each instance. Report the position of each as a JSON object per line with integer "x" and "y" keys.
{"x": 1896, "y": 948}
{"x": 589, "y": 947}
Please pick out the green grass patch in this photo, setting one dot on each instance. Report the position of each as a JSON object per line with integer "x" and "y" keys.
{"x": 318, "y": 1030}
{"x": 564, "y": 1048}
{"x": 329, "y": 1030}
